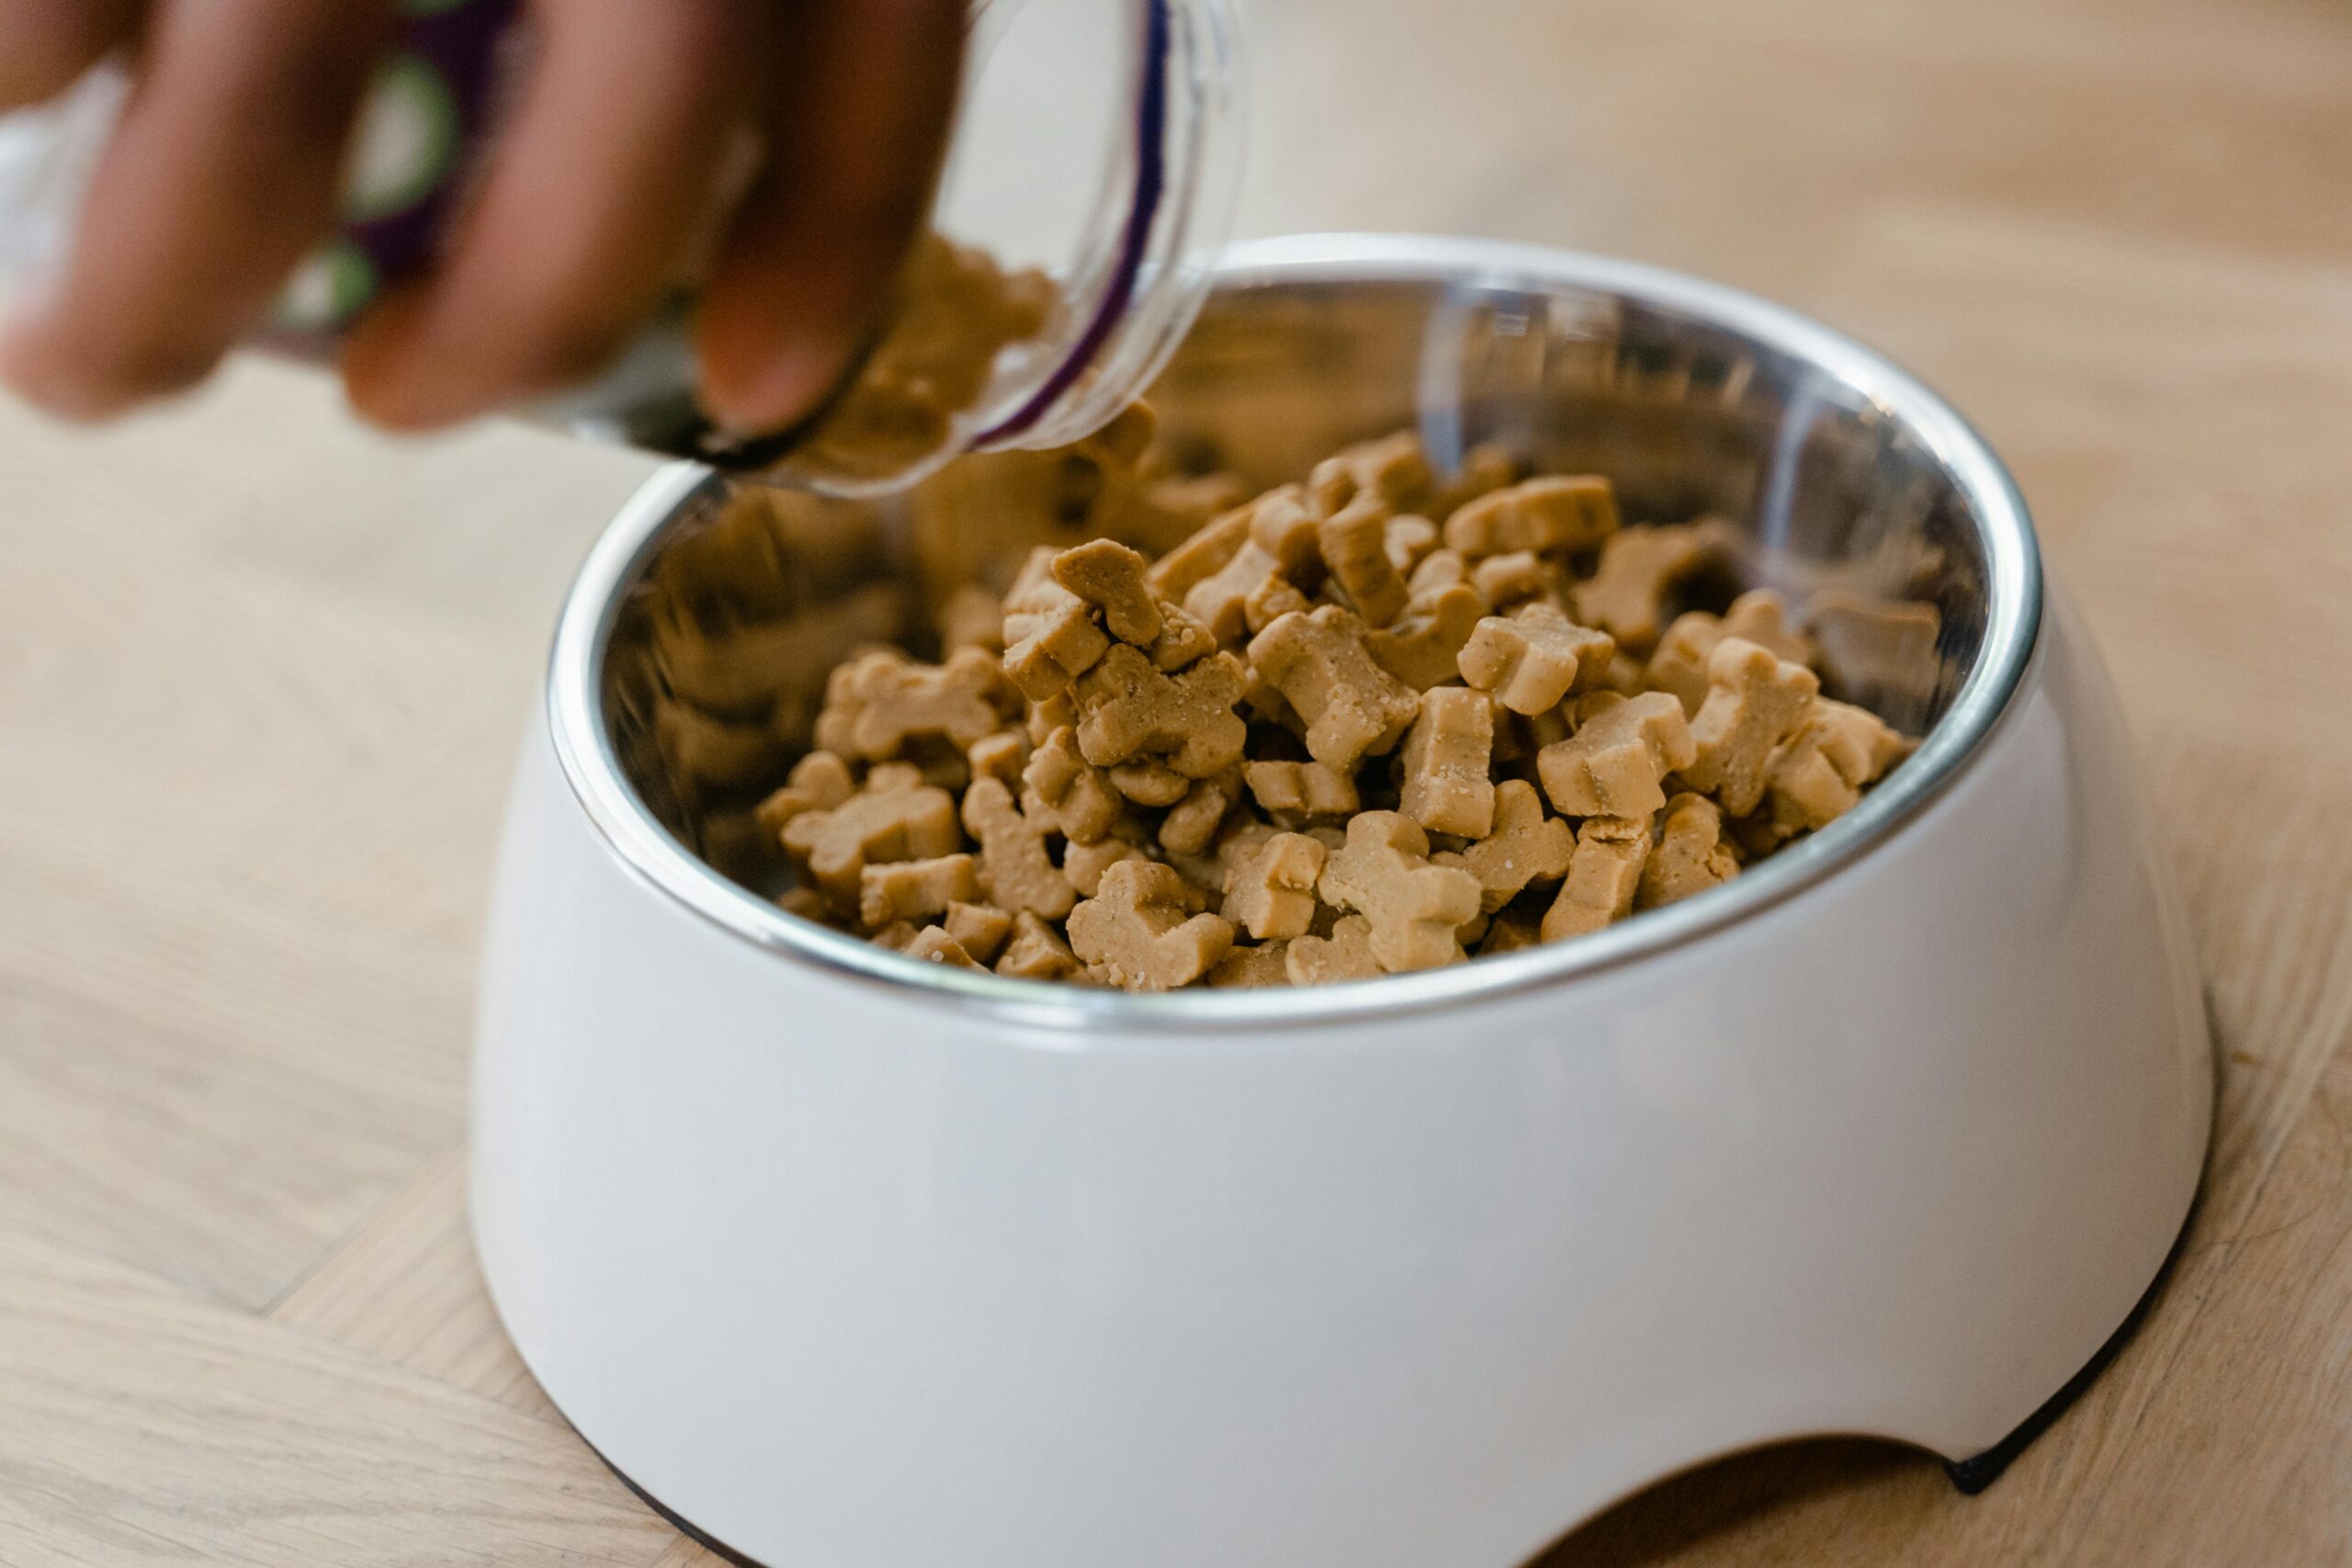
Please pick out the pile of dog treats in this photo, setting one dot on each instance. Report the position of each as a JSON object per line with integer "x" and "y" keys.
{"x": 1367, "y": 724}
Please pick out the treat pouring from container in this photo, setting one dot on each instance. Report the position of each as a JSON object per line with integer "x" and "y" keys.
{"x": 1118, "y": 187}
{"x": 844, "y": 1257}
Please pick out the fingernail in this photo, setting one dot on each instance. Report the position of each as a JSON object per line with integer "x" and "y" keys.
{"x": 781, "y": 390}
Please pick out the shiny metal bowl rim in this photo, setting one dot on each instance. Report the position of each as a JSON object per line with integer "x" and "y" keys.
{"x": 585, "y": 746}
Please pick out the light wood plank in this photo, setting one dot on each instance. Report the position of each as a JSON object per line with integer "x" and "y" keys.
{"x": 139, "y": 1425}
{"x": 405, "y": 1287}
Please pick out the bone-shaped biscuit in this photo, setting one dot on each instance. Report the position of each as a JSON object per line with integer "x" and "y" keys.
{"x": 1604, "y": 873}
{"x": 1616, "y": 762}
{"x": 1145, "y": 929}
{"x": 1354, "y": 544}
{"x": 1422, "y": 649}
{"x": 1417, "y": 909}
{"x": 1085, "y": 864}
{"x": 980, "y": 929}
{"x": 936, "y": 945}
{"x": 1819, "y": 773}
{"x": 1050, "y": 634}
{"x": 1690, "y": 855}
{"x": 1345, "y": 954}
{"x": 877, "y": 703}
{"x": 1393, "y": 468}
{"x": 1270, "y": 886}
{"x": 1520, "y": 577}
{"x": 1484, "y": 468}
{"x": 999, "y": 756}
{"x": 1319, "y": 663}
{"x": 1510, "y": 931}
{"x": 1527, "y": 846}
{"x": 1679, "y": 664}
{"x": 1531, "y": 659}
{"x": 1109, "y": 576}
{"x": 1282, "y": 525}
{"x": 1192, "y": 823}
{"x": 1248, "y": 968}
{"x": 1408, "y": 540}
{"x": 1014, "y": 866}
{"x": 1448, "y": 784}
{"x": 897, "y": 817}
{"x": 1640, "y": 570}
{"x": 1076, "y": 795}
{"x": 971, "y": 616}
{"x": 1754, "y": 703}
{"x": 1175, "y": 574}
{"x": 1301, "y": 790}
{"x": 1550, "y": 515}
{"x": 1148, "y": 783}
{"x": 915, "y": 889}
{"x": 1036, "y": 952}
{"x": 819, "y": 782}
{"x": 1437, "y": 572}
{"x": 1277, "y": 536}
{"x": 1186, "y": 720}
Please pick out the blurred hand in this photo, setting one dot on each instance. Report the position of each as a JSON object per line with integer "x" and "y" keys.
{"x": 782, "y": 151}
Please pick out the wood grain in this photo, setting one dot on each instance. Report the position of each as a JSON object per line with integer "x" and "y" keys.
{"x": 262, "y": 674}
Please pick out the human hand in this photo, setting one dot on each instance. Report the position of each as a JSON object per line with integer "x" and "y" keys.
{"x": 782, "y": 152}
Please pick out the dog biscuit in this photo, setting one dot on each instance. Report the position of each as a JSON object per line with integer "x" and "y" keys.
{"x": 1690, "y": 855}
{"x": 819, "y": 782}
{"x": 1187, "y": 720}
{"x": 1820, "y": 773}
{"x": 875, "y": 704}
{"x": 1084, "y": 865}
{"x": 1679, "y": 662}
{"x": 1407, "y": 540}
{"x": 1247, "y": 967}
{"x": 1036, "y": 952}
{"x": 1527, "y": 846}
{"x": 1074, "y": 793}
{"x": 1148, "y": 784}
{"x": 1550, "y": 515}
{"x": 1270, "y": 887}
{"x": 1384, "y": 874}
{"x": 1604, "y": 873}
{"x": 933, "y": 944}
{"x": 1616, "y": 761}
{"x": 1754, "y": 703}
{"x": 1014, "y": 866}
{"x": 1345, "y": 954}
{"x": 1531, "y": 659}
{"x": 1355, "y": 542}
{"x": 1393, "y": 468}
{"x": 1520, "y": 577}
{"x": 980, "y": 929}
{"x": 1320, "y": 665}
{"x": 895, "y": 817}
{"x": 1109, "y": 576}
{"x": 1192, "y": 823}
{"x": 1145, "y": 929}
{"x": 1301, "y": 790}
{"x": 1640, "y": 571}
{"x": 1449, "y": 785}
{"x": 1424, "y": 648}
{"x": 915, "y": 889}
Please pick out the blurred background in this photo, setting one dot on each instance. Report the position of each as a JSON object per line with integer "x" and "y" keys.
{"x": 263, "y": 673}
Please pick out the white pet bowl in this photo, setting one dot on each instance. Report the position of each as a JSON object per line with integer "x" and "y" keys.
{"x": 848, "y": 1261}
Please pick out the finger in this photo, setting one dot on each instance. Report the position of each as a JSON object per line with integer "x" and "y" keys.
{"x": 595, "y": 194}
{"x": 856, "y": 135}
{"x": 45, "y": 44}
{"x": 222, "y": 174}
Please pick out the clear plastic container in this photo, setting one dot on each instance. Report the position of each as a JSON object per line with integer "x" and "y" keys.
{"x": 1087, "y": 187}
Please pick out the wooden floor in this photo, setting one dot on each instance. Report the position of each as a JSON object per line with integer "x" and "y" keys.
{"x": 262, "y": 674}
